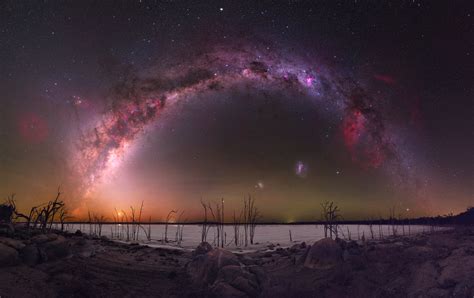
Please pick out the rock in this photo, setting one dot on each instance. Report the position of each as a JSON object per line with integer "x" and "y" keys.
{"x": 297, "y": 247}
{"x": 294, "y": 248}
{"x": 41, "y": 238}
{"x": 259, "y": 273}
{"x": 456, "y": 269}
{"x": 52, "y": 236}
{"x": 239, "y": 278}
{"x": 85, "y": 250}
{"x": 341, "y": 242}
{"x": 7, "y": 228}
{"x": 8, "y": 256}
{"x": 351, "y": 245}
{"x": 267, "y": 254}
{"x": 246, "y": 260}
{"x": 202, "y": 249}
{"x": 301, "y": 259}
{"x": 56, "y": 249}
{"x": 13, "y": 243}
{"x": 203, "y": 269}
{"x": 324, "y": 254}
{"x": 356, "y": 260}
{"x": 418, "y": 252}
{"x": 246, "y": 285}
{"x": 222, "y": 289}
{"x": 436, "y": 292}
{"x": 271, "y": 246}
{"x": 423, "y": 279}
{"x": 30, "y": 255}
{"x": 464, "y": 289}
{"x": 441, "y": 241}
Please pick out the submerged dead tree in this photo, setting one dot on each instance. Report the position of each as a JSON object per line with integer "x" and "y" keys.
{"x": 392, "y": 210}
{"x": 205, "y": 223}
{"x": 236, "y": 222}
{"x": 330, "y": 216}
{"x": 168, "y": 218}
{"x": 218, "y": 218}
{"x": 179, "y": 228}
{"x": 250, "y": 219}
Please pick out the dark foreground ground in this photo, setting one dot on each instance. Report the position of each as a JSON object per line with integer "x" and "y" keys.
{"x": 435, "y": 265}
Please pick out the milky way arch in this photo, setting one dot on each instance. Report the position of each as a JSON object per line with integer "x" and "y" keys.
{"x": 139, "y": 101}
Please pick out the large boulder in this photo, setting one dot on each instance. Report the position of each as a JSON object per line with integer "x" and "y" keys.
{"x": 203, "y": 269}
{"x": 7, "y": 228}
{"x": 456, "y": 269}
{"x": 41, "y": 238}
{"x": 8, "y": 256}
{"x": 239, "y": 278}
{"x": 423, "y": 279}
{"x": 222, "y": 289}
{"x": 202, "y": 249}
{"x": 323, "y": 254}
{"x": 56, "y": 249}
{"x": 297, "y": 247}
{"x": 31, "y": 255}
{"x": 13, "y": 243}
{"x": 52, "y": 236}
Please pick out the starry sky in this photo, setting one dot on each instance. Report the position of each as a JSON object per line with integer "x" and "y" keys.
{"x": 365, "y": 103}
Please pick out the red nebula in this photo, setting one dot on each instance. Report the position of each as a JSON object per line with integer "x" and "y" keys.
{"x": 387, "y": 79}
{"x": 363, "y": 150}
{"x": 33, "y": 128}
{"x": 353, "y": 127}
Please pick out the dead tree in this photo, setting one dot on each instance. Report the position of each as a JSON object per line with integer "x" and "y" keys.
{"x": 139, "y": 222}
{"x": 218, "y": 216}
{"x": 246, "y": 222}
{"x": 63, "y": 217}
{"x": 253, "y": 216}
{"x": 42, "y": 216}
{"x": 179, "y": 229}
{"x": 392, "y": 210}
{"x": 205, "y": 223}
{"x": 47, "y": 214}
{"x": 371, "y": 228}
{"x": 330, "y": 217}
{"x": 236, "y": 221}
{"x": 168, "y": 218}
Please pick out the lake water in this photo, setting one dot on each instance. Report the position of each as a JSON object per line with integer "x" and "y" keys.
{"x": 264, "y": 234}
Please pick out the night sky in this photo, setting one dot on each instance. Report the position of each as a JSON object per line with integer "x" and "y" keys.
{"x": 366, "y": 103}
